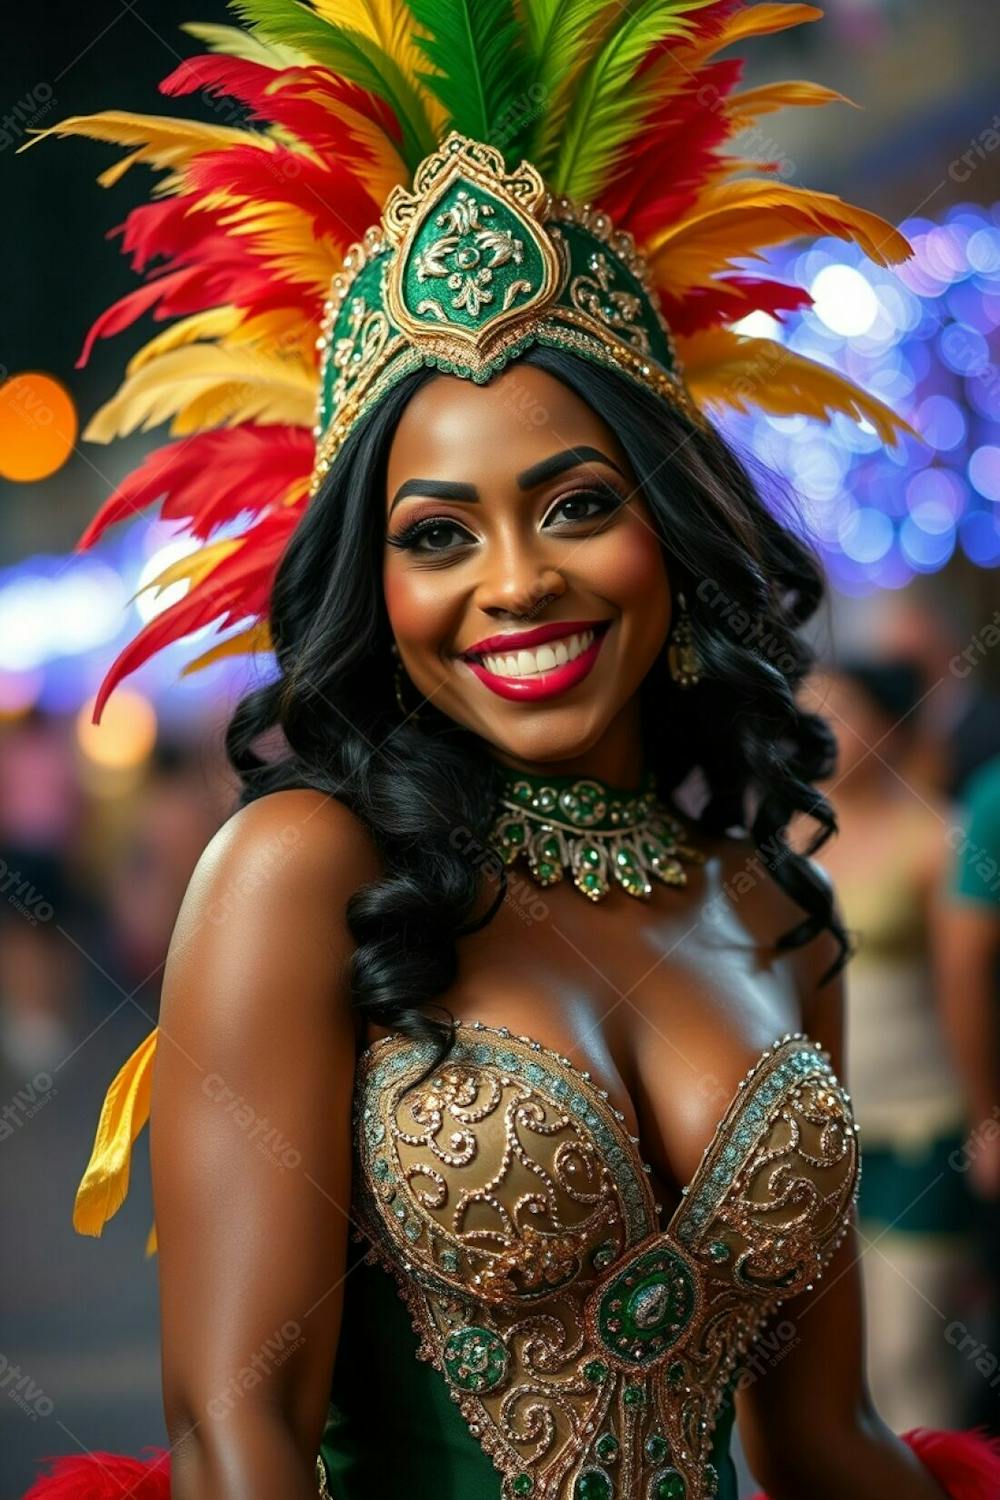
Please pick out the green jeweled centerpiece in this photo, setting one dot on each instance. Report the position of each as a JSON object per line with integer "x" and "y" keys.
{"x": 602, "y": 835}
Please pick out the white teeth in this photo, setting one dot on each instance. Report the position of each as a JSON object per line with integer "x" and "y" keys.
{"x": 527, "y": 663}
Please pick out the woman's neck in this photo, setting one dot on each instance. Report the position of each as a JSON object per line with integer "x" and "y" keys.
{"x": 617, "y": 759}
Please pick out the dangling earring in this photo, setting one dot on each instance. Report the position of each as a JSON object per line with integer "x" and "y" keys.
{"x": 682, "y": 658}
{"x": 398, "y": 683}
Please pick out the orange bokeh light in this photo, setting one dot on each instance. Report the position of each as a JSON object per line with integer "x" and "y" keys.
{"x": 38, "y": 426}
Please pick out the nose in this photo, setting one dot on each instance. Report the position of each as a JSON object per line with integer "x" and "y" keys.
{"x": 519, "y": 589}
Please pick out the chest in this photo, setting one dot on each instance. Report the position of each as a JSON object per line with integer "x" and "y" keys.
{"x": 665, "y": 1004}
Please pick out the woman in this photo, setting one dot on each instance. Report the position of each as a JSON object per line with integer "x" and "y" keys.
{"x": 585, "y": 1114}
{"x": 914, "y": 1211}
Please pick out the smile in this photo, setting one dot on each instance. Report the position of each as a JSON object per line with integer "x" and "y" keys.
{"x": 528, "y": 665}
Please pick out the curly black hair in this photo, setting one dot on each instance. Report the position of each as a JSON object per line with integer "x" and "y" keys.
{"x": 749, "y": 583}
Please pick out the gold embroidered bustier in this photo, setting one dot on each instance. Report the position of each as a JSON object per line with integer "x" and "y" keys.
{"x": 588, "y": 1349}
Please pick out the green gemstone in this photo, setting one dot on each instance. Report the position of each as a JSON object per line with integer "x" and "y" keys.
{"x": 656, "y": 1448}
{"x": 589, "y": 855}
{"x": 592, "y": 1485}
{"x": 523, "y": 1484}
{"x": 625, "y": 857}
{"x": 670, "y": 1486}
{"x": 719, "y": 1250}
{"x": 606, "y": 1447}
{"x": 604, "y": 1254}
{"x": 675, "y": 1373}
{"x": 550, "y": 848}
{"x": 514, "y": 834}
{"x": 596, "y": 1371}
{"x": 546, "y": 870}
{"x": 634, "y": 1395}
{"x": 475, "y": 1359}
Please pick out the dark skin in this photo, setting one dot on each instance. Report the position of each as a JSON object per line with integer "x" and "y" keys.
{"x": 667, "y": 1003}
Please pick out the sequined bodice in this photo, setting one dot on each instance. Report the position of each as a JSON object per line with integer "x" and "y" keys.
{"x": 588, "y": 1349}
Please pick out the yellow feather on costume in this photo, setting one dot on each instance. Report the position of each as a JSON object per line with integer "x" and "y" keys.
{"x": 759, "y": 20}
{"x": 391, "y": 25}
{"x": 794, "y": 93}
{"x": 104, "y": 1185}
{"x": 725, "y": 369}
{"x": 161, "y": 142}
{"x": 287, "y": 234}
{"x": 206, "y": 385}
{"x": 194, "y": 566}
{"x": 191, "y": 330}
{"x": 256, "y": 638}
{"x": 734, "y": 219}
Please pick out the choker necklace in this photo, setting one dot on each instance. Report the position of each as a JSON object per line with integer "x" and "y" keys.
{"x": 598, "y": 833}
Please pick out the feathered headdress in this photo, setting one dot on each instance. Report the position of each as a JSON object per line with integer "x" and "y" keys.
{"x": 442, "y": 180}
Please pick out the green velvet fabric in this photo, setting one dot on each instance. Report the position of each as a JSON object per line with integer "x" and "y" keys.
{"x": 393, "y": 1430}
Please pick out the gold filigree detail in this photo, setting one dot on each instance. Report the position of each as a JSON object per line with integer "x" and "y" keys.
{"x": 519, "y": 1241}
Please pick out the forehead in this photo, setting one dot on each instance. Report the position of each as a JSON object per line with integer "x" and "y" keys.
{"x": 455, "y": 429}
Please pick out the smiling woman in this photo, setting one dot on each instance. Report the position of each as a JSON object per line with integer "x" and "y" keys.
{"x": 594, "y": 1135}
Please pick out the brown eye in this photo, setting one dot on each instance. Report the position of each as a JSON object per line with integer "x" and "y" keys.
{"x": 584, "y": 505}
{"x": 432, "y": 535}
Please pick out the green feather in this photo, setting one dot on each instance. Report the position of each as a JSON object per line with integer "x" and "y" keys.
{"x": 562, "y": 36}
{"x": 608, "y": 106}
{"x": 350, "y": 55}
{"x": 476, "y": 48}
{"x": 235, "y": 42}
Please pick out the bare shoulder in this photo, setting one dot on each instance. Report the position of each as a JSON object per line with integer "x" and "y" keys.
{"x": 737, "y": 876}
{"x": 297, "y": 845}
{"x": 264, "y": 915}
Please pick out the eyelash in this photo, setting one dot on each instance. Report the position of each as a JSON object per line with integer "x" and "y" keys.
{"x": 409, "y": 538}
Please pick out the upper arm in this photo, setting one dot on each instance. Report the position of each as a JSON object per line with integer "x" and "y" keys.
{"x": 250, "y": 1131}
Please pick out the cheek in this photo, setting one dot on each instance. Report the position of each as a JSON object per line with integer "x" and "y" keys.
{"x": 419, "y": 605}
{"x": 630, "y": 571}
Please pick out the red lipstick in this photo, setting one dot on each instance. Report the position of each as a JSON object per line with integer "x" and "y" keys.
{"x": 549, "y": 682}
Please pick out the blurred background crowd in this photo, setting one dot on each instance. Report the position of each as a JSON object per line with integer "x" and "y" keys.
{"x": 100, "y": 828}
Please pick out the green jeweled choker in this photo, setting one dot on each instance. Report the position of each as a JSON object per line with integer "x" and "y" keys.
{"x": 598, "y": 833}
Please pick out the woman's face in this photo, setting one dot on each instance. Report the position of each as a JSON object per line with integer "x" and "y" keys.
{"x": 524, "y": 581}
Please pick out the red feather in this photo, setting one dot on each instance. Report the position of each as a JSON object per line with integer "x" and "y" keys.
{"x": 966, "y": 1464}
{"x": 339, "y": 205}
{"x": 104, "y": 1476}
{"x": 210, "y": 478}
{"x": 238, "y": 588}
{"x": 730, "y": 298}
{"x": 123, "y": 313}
{"x": 305, "y": 101}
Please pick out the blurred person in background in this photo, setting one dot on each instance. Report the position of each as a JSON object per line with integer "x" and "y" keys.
{"x": 969, "y": 967}
{"x": 40, "y": 813}
{"x": 914, "y": 1211}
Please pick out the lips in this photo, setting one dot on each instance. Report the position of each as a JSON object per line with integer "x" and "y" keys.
{"x": 527, "y": 665}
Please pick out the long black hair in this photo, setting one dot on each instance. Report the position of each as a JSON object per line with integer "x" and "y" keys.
{"x": 426, "y": 789}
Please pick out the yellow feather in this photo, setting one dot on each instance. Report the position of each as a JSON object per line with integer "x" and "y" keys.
{"x": 104, "y": 1185}
{"x": 235, "y": 42}
{"x": 390, "y": 24}
{"x": 723, "y": 369}
{"x": 194, "y": 567}
{"x": 760, "y": 20}
{"x": 160, "y": 141}
{"x": 151, "y": 1245}
{"x": 203, "y": 325}
{"x": 246, "y": 643}
{"x": 206, "y": 385}
{"x": 287, "y": 235}
{"x": 733, "y": 219}
{"x": 743, "y": 109}
{"x": 380, "y": 165}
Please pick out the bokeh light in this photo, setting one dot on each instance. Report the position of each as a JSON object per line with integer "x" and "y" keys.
{"x": 38, "y": 426}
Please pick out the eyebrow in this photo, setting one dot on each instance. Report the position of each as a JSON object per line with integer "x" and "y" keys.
{"x": 548, "y": 468}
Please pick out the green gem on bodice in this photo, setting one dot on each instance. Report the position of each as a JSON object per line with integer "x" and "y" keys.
{"x": 522, "y": 1484}
{"x": 596, "y": 1371}
{"x": 646, "y": 1307}
{"x": 718, "y": 1251}
{"x": 656, "y": 1447}
{"x": 635, "y": 1395}
{"x": 475, "y": 1359}
{"x": 606, "y": 1447}
{"x": 669, "y": 1485}
{"x": 593, "y": 1484}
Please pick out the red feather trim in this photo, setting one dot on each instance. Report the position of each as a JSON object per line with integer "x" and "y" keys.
{"x": 236, "y": 590}
{"x": 731, "y": 297}
{"x": 211, "y": 478}
{"x": 965, "y": 1464}
{"x": 302, "y": 100}
{"x": 105, "y": 1476}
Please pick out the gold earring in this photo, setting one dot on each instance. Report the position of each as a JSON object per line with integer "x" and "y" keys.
{"x": 398, "y": 683}
{"x": 682, "y": 658}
